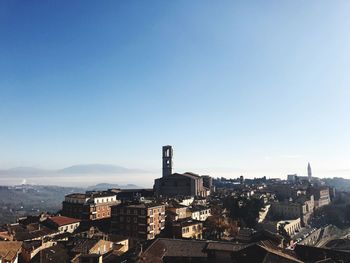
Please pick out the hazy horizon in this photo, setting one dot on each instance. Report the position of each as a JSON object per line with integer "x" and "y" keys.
{"x": 134, "y": 175}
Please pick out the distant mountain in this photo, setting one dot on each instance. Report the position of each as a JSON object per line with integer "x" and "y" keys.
{"x": 98, "y": 169}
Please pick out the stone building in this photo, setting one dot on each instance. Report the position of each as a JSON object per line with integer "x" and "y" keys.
{"x": 301, "y": 208}
{"x": 143, "y": 221}
{"x": 176, "y": 184}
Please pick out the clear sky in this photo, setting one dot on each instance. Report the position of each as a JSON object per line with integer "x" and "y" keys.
{"x": 237, "y": 87}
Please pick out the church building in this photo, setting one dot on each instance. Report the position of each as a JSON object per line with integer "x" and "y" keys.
{"x": 176, "y": 184}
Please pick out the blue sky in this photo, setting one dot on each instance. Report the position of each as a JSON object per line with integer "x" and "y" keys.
{"x": 237, "y": 87}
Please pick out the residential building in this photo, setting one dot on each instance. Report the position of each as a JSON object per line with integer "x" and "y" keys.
{"x": 186, "y": 201}
{"x": 143, "y": 221}
{"x": 200, "y": 213}
{"x": 63, "y": 224}
{"x": 89, "y": 206}
{"x": 187, "y": 229}
{"x": 176, "y": 211}
{"x": 91, "y": 246}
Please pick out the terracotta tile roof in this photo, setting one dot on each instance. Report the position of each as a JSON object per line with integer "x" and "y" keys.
{"x": 9, "y": 250}
{"x": 63, "y": 220}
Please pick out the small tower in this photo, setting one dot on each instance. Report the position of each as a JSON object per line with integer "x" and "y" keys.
{"x": 309, "y": 172}
{"x": 167, "y": 160}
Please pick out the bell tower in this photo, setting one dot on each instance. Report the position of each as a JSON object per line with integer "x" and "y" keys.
{"x": 167, "y": 160}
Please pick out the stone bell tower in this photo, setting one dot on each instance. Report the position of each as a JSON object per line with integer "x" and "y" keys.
{"x": 167, "y": 160}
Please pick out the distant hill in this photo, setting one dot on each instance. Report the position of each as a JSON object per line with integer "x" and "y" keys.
{"x": 93, "y": 169}
{"x": 105, "y": 186}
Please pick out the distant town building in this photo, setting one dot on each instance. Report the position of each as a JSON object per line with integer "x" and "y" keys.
{"x": 241, "y": 179}
{"x": 89, "y": 206}
{"x": 321, "y": 196}
{"x": 138, "y": 221}
{"x": 309, "y": 172}
{"x": 292, "y": 178}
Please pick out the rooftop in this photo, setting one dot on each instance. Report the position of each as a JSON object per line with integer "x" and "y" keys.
{"x": 187, "y": 222}
{"x": 63, "y": 220}
{"x": 77, "y": 195}
{"x": 164, "y": 247}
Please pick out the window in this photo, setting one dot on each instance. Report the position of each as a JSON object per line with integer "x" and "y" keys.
{"x": 128, "y": 219}
{"x": 135, "y": 219}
